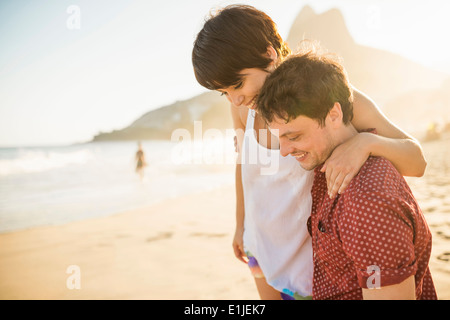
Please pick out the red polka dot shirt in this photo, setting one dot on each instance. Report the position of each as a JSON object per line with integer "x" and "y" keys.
{"x": 374, "y": 234}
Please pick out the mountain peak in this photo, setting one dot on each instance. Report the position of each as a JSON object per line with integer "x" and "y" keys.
{"x": 306, "y": 13}
{"x": 328, "y": 28}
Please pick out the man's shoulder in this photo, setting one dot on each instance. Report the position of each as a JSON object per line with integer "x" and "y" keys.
{"x": 377, "y": 185}
{"x": 379, "y": 165}
{"x": 376, "y": 175}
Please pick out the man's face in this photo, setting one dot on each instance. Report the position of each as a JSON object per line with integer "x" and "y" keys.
{"x": 304, "y": 139}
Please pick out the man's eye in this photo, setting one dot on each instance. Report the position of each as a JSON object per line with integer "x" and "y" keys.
{"x": 239, "y": 85}
{"x": 223, "y": 93}
{"x": 294, "y": 138}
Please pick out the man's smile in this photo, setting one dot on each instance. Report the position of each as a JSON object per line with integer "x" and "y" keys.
{"x": 299, "y": 156}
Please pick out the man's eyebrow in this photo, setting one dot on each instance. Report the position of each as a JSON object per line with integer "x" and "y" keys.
{"x": 289, "y": 133}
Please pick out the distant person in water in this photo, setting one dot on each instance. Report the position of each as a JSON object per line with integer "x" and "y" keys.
{"x": 140, "y": 161}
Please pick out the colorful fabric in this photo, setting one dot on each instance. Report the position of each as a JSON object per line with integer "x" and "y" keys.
{"x": 374, "y": 234}
{"x": 289, "y": 295}
{"x": 255, "y": 269}
{"x": 257, "y": 273}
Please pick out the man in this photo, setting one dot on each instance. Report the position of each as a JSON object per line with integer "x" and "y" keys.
{"x": 371, "y": 241}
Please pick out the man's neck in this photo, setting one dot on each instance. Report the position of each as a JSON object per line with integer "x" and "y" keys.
{"x": 344, "y": 134}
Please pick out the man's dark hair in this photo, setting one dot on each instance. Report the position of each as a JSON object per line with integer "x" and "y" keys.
{"x": 306, "y": 84}
{"x": 235, "y": 38}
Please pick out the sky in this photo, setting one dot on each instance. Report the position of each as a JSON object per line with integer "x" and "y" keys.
{"x": 72, "y": 69}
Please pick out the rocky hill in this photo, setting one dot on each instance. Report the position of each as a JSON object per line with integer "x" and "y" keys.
{"x": 210, "y": 108}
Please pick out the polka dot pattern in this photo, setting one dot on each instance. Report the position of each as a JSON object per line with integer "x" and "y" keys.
{"x": 377, "y": 223}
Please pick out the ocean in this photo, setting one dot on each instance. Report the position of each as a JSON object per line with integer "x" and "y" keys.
{"x": 55, "y": 185}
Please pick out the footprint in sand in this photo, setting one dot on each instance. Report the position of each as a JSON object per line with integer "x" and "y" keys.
{"x": 160, "y": 236}
{"x": 443, "y": 235}
{"x": 444, "y": 256}
{"x": 208, "y": 235}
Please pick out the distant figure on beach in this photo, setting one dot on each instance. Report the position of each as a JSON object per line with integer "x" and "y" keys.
{"x": 432, "y": 132}
{"x": 140, "y": 162}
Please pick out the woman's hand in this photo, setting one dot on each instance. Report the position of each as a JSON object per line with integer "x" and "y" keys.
{"x": 345, "y": 162}
{"x": 238, "y": 245}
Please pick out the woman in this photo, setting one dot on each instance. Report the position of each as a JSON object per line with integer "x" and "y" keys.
{"x": 233, "y": 53}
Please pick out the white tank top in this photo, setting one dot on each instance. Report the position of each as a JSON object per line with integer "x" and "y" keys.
{"x": 277, "y": 197}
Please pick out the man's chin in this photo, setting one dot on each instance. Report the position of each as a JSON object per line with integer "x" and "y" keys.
{"x": 308, "y": 167}
{"x": 308, "y": 162}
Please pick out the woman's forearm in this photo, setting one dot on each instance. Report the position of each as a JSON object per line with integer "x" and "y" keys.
{"x": 405, "y": 154}
{"x": 240, "y": 211}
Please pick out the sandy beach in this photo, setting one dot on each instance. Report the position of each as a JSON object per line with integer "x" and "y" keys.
{"x": 177, "y": 249}
{"x": 174, "y": 250}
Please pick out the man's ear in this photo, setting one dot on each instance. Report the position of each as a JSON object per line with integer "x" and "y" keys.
{"x": 335, "y": 115}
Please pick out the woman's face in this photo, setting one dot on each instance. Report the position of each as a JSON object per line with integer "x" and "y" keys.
{"x": 247, "y": 90}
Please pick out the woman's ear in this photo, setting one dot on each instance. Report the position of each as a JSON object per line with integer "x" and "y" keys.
{"x": 272, "y": 53}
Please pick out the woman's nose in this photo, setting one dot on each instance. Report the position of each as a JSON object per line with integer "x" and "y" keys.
{"x": 236, "y": 98}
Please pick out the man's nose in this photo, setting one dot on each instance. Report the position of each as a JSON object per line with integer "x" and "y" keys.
{"x": 285, "y": 148}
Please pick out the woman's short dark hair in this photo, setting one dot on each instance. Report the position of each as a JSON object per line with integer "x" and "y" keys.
{"x": 233, "y": 39}
{"x": 307, "y": 84}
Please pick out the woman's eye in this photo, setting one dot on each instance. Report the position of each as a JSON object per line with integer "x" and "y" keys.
{"x": 223, "y": 93}
{"x": 239, "y": 85}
